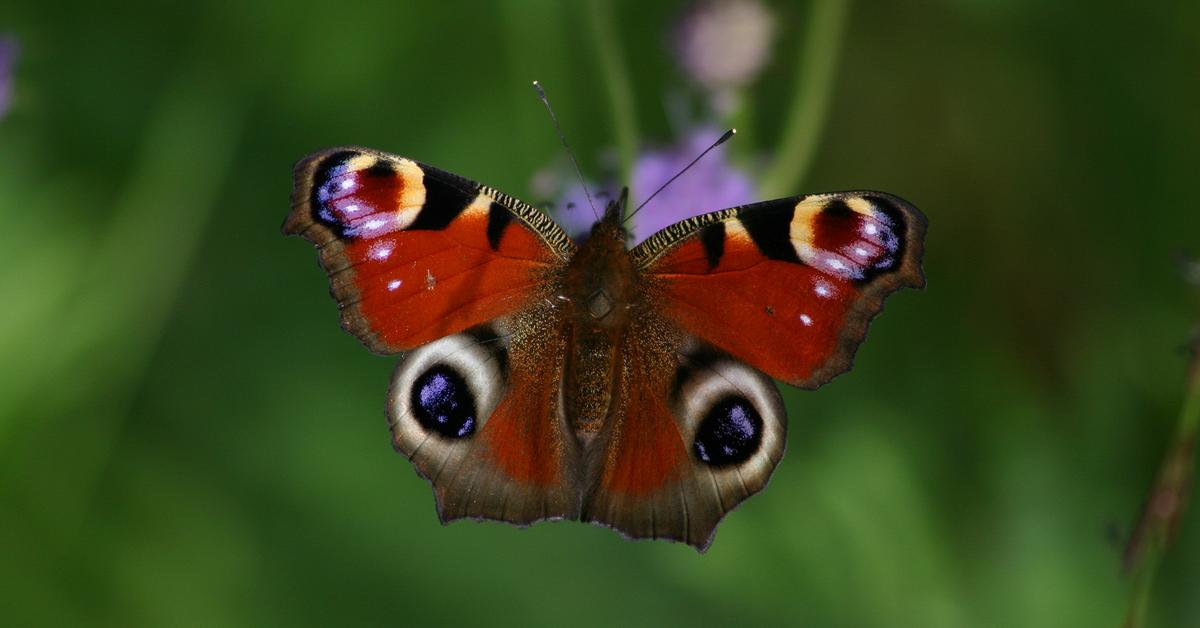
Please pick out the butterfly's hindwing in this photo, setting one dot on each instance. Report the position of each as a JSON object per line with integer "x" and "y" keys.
{"x": 479, "y": 419}
{"x": 694, "y": 433}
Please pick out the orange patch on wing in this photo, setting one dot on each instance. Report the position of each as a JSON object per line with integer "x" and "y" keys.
{"x": 784, "y": 319}
{"x": 521, "y": 435}
{"x": 419, "y": 285}
{"x": 649, "y": 452}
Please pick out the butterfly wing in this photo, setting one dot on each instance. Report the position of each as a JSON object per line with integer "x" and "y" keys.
{"x": 479, "y": 415}
{"x": 693, "y": 434}
{"x": 415, "y": 253}
{"x": 782, "y": 288}
{"x": 787, "y": 286}
{"x": 457, "y": 275}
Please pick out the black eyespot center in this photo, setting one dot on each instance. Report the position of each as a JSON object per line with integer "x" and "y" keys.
{"x": 442, "y": 402}
{"x": 730, "y": 433}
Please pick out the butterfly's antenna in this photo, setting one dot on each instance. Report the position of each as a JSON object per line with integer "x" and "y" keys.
{"x": 728, "y": 134}
{"x": 542, "y": 94}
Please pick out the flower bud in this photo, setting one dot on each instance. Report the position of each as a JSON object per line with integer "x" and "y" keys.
{"x": 724, "y": 44}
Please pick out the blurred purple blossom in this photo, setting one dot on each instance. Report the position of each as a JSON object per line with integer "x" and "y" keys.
{"x": 712, "y": 184}
{"x": 570, "y": 205}
{"x": 8, "y": 58}
{"x": 574, "y": 214}
{"x": 724, "y": 44}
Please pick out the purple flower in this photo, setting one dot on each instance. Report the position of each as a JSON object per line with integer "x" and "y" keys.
{"x": 8, "y": 58}
{"x": 724, "y": 44}
{"x": 574, "y": 214}
{"x": 712, "y": 184}
{"x": 571, "y": 208}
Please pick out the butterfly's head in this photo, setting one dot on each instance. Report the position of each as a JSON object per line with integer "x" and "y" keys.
{"x": 610, "y": 226}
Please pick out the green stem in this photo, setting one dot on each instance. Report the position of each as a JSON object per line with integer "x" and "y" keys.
{"x": 816, "y": 68}
{"x": 1189, "y": 417}
{"x": 741, "y": 118}
{"x": 1139, "y": 600}
{"x": 1164, "y": 507}
{"x": 620, "y": 90}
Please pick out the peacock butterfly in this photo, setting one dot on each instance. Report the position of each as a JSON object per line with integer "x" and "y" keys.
{"x": 545, "y": 378}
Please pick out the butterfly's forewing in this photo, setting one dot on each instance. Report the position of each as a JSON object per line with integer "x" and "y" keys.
{"x": 415, "y": 253}
{"x": 787, "y": 286}
{"x": 458, "y": 275}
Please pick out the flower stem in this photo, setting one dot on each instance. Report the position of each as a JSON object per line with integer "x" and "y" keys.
{"x": 1164, "y": 507}
{"x": 816, "y": 67}
{"x": 1189, "y": 418}
{"x": 616, "y": 78}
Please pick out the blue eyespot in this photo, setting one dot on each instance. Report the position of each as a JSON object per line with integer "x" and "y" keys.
{"x": 730, "y": 433}
{"x": 442, "y": 402}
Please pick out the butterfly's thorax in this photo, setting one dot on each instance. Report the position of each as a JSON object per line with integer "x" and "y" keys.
{"x": 600, "y": 288}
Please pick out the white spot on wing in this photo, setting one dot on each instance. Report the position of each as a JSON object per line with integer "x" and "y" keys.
{"x": 380, "y": 250}
{"x": 394, "y": 284}
{"x": 806, "y": 319}
{"x": 823, "y": 289}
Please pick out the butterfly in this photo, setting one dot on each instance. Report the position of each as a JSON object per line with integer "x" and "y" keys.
{"x": 545, "y": 377}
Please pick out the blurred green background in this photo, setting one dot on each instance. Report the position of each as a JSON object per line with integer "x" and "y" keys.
{"x": 188, "y": 438}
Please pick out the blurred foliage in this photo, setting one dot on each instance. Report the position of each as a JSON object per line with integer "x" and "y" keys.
{"x": 187, "y": 438}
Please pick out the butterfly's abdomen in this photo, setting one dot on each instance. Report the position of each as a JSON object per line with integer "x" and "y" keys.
{"x": 587, "y": 391}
